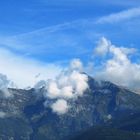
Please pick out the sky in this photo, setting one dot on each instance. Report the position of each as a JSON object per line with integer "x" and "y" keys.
{"x": 38, "y": 38}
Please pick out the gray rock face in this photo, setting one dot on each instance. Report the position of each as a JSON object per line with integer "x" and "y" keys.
{"x": 23, "y": 116}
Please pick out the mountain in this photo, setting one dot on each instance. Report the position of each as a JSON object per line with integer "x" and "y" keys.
{"x": 24, "y": 117}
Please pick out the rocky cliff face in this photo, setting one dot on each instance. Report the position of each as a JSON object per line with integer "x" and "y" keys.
{"x": 23, "y": 116}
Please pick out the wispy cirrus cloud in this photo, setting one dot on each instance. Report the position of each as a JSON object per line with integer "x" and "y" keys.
{"x": 120, "y": 16}
{"x": 51, "y": 41}
{"x": 70, "y": 35}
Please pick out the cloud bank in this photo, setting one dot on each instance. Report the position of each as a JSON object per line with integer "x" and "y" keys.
{"x": 23, "y": 71}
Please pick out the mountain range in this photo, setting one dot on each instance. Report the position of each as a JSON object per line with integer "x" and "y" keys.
{"x": 105, "y": 112}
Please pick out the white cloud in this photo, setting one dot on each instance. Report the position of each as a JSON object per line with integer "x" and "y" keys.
{"x": 69, "y": 84}
{"x": 119, "y": 68}
{"x": 53, "y": 91}
{"x": 60, "y": 107}
{"x": 105, "y": 46}
{"x": 22, "y": 71}
{"x": 120, "y": 16}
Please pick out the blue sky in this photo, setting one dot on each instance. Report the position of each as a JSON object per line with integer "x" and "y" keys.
{"x": 35, "y": 25}
{"x": 56, "y": 31}
{"x": 29, "y": 15}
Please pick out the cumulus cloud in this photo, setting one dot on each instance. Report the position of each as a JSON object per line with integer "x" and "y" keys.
{"x": 119, "y": 68}
{"x": 53, "y": 91}
{"x": 24, "y": 71}
{"x": 120, "y": 16}
{"x": 69, "y": 84}
{"x": 104, "y": 46}
{"x": 60, "y": 107}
